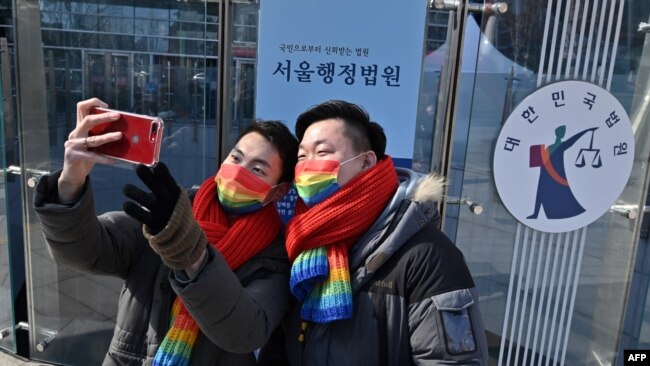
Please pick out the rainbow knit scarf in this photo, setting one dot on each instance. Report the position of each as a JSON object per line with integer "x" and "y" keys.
{"x": 176, "y": 348}
{"x": 247, "y": 236}
{"x": 318, "y": 240}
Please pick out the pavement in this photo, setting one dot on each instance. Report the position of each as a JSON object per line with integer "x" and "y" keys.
{"x": 8, "y": 359}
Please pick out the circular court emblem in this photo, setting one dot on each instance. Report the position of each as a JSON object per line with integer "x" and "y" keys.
{"x": 563, "y": 156}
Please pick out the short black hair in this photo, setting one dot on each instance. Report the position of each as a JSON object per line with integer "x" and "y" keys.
{"x": 278, "y": 134}
{"x": 364, "y": 134}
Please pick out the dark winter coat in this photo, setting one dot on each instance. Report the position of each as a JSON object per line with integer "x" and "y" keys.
{"x": 236, "y": 312}
{"x": 414, "y": 299}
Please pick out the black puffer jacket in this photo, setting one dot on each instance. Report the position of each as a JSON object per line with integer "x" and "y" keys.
{"x": 236, "y": 312}
{"x": 415, "y": 302}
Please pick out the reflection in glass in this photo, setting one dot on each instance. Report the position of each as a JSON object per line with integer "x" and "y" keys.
{"x": 160, "y": 28}
{"x": 115, "y": 24}
{"x": 495, "y": 77}
{"x": 152, "y": 10}
{"x": 193, "y": 11}
{"x": 109, "y": 8}
{"x": 435, "y": 56}
{"x": 83, "y": 7}
{"x": 50, "y": 19}
{"x": 150, "y": 59}
{"x": 7, "y": 339}
{"x": 242, "y": 87}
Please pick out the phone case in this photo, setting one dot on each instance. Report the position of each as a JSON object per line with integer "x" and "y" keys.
{"x": 141, "y": 137}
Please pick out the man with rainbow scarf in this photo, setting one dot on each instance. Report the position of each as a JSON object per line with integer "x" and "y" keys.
{"x": 375, "y": 281}
{"x": 205, "y": 277}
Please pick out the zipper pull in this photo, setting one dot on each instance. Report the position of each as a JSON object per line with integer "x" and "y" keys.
{"x": 303, "y": 327}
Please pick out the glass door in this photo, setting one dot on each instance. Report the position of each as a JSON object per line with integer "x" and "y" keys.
{"x": 146, "y": 57}
{"x": 7, "y": 321}
{"x": 547, "y": 297}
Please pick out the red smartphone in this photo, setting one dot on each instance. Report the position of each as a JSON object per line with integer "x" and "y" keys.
{"x": 141, "y": 137}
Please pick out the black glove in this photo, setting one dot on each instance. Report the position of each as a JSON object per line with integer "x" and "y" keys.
{"x": 156, "y": 207}
{"x": 183, "y": 242}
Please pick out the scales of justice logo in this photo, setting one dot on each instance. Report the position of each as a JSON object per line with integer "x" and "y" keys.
{"x": 563, "y": 156}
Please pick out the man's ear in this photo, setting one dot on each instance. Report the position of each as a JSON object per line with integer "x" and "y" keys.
{"x": 280, "y": 191}
{"x": 369, "y": 160}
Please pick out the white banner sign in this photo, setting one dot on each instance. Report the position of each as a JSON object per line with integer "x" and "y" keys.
{"x": 362, "y": 51}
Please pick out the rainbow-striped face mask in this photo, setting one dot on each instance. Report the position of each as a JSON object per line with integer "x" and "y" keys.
{"x": 240, "y": 191}
{"x": 317, "y": 179}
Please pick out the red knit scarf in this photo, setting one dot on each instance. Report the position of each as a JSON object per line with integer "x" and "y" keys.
{"x": 320, "y": 278}
{"x": 247, "y": 236}
{"x": 343, "y": 217}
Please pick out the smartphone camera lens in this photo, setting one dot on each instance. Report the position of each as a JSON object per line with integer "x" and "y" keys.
{"x": 154, "y": 131}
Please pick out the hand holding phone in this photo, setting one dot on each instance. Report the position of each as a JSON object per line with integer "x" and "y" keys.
{"x": 141, "y": 137}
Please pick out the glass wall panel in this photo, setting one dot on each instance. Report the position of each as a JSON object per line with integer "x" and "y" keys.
{"x": 152, "y": 10}
{"x": 113, "y": 23}
{"x": 84, "y": 7}
{"x": 244, "y": 21}
{"x": 160, "y": 28}
{"x": 7, "y": 321}
{"x": 6, "y": 8}
{"x": 147, "y": 57}
{"x": 435, "y": 55}
{"x": 117, "y": 10}
{"x": 557, "y": 298}
{"x": 85, "y": 22}
{"x": 191, "y": 11}
{"x": 12, "y": 265}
